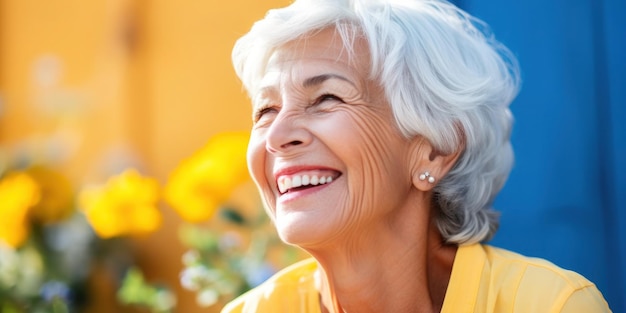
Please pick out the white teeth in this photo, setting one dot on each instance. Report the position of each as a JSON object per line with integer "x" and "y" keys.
{"x": 296, "y": 181}
{"x": 286, "y": 183}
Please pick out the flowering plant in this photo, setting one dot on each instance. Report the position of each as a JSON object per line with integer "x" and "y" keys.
{"x": 126, "y": 206}
{"x": 52, "y": 238}
{"x": 43, "y": 242}
{"x": 49, "y": 235}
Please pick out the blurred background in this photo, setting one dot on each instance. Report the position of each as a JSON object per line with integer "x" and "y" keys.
{"x": 89, "y": 89}
{"x": 94, "y": 87}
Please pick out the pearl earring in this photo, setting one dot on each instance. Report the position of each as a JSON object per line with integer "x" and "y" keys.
{"x": 426, "y": 175}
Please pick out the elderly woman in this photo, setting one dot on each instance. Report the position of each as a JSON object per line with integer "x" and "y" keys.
{"x": 380, "y": 139}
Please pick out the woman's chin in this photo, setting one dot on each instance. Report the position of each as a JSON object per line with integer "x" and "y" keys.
{"x": 302, "y": 231}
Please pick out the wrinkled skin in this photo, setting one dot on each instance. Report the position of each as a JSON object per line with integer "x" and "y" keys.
{"x": 342, "y": 124}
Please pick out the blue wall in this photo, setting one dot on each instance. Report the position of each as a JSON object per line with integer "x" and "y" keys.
{"x": 565, "y": 200}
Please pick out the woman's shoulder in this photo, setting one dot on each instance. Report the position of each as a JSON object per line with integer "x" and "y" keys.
{"x": 530, "y": 284}
{"x": 503, "y": 262}
{"x": 294, "y": 283}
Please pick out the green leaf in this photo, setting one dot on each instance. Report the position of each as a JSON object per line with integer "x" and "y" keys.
{"x": 232, "y": 216}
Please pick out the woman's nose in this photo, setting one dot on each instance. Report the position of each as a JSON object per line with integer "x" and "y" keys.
{"x": 287, "y": 134}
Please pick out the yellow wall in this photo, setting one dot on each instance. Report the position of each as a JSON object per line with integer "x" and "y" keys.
{"x": 119, "y": 82}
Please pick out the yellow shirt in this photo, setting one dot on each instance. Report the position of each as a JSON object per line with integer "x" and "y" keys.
{"x": 484, "y": 279}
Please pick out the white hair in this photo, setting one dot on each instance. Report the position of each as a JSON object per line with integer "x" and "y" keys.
{"x": 445, "y": 76}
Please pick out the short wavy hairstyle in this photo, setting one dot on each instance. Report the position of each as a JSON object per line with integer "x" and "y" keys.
{"x": 445, "y": 76}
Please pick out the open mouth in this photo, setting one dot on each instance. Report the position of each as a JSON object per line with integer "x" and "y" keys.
{"x": 288, "y": 183}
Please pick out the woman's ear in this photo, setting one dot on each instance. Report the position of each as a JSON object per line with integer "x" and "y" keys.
{"x": 428, "y": 165}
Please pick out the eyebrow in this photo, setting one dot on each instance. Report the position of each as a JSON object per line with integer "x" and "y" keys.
{"x": 319, "y": 79}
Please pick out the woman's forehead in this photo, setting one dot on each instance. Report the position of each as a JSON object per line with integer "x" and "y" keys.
{"x": 323, "y": 51}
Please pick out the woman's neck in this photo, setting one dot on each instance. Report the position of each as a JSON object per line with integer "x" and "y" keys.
{"x": 400, "y": 265}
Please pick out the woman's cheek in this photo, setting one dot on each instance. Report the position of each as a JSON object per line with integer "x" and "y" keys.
{"x": 254, "y": 157}
{"x": 258, "y": 168}
{"x": 380, "y": 151}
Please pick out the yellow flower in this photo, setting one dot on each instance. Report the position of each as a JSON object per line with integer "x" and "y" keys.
{"x": 56, "y": 195}
{"x": 204, "y": 181}
{"x": 126, "y": 205}
{"x": 18, "y": 193}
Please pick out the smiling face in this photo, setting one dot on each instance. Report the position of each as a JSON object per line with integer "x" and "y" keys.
{"x": 325, "y": 151}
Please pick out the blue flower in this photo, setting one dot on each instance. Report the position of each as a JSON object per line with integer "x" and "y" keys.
{"x": 52, "y": 290}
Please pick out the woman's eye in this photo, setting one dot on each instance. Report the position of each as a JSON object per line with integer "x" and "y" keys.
{"x": 327, "y": 97}
{"x": 264, "y": 111}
